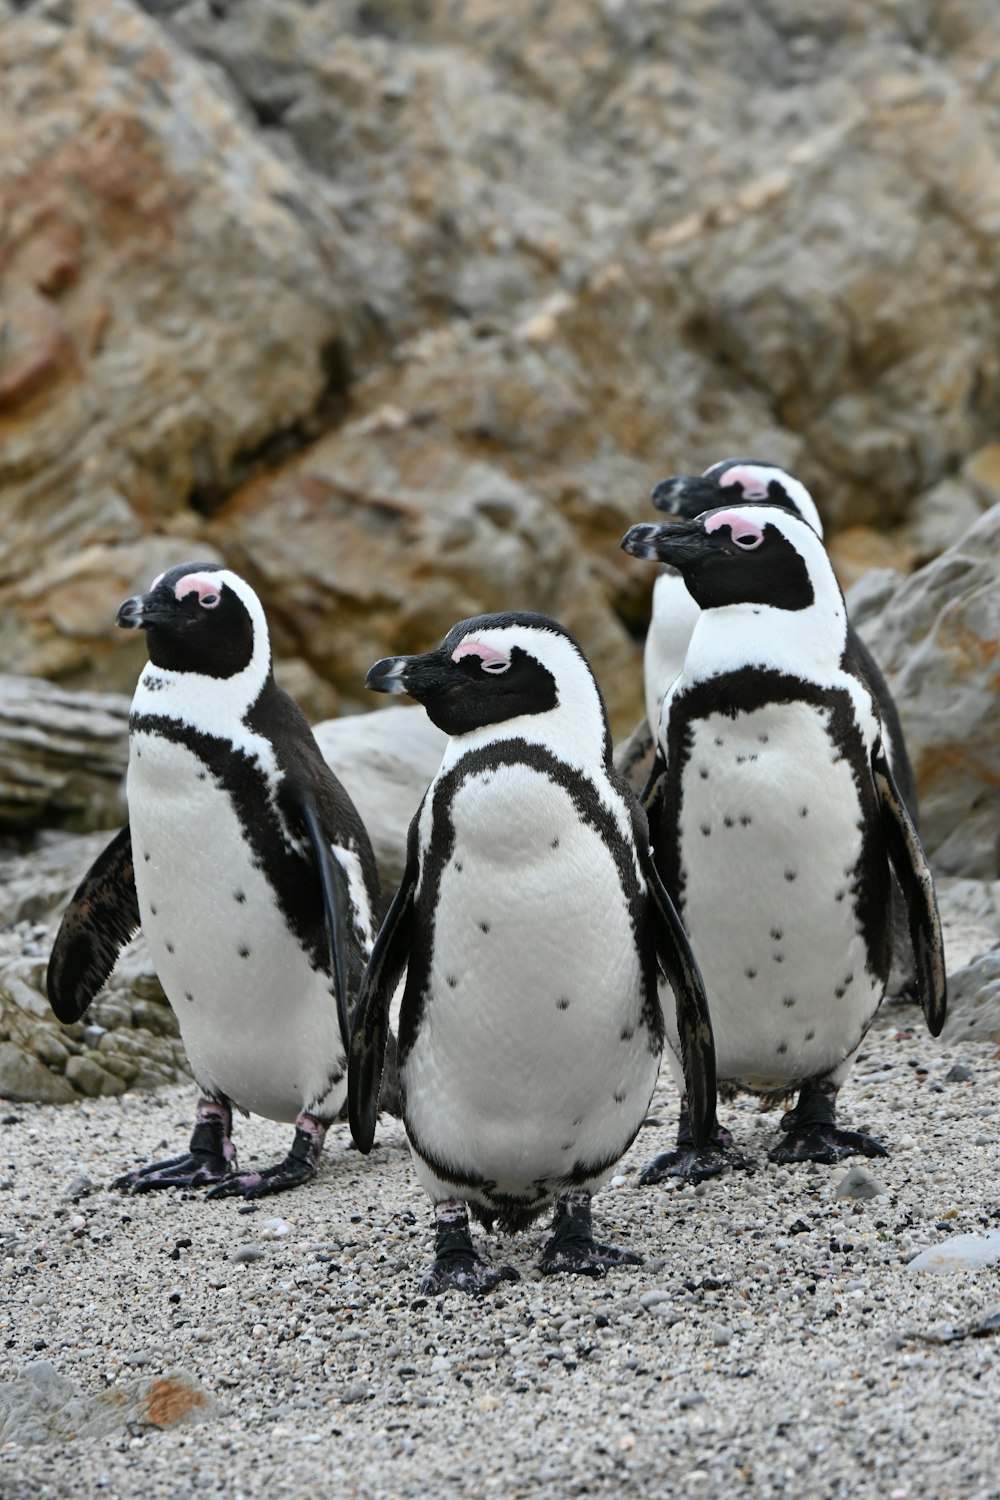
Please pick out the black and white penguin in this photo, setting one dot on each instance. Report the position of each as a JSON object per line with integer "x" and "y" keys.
{"x": 530, "y": 921}
{"x": 775, "y": 820}
{"x": 250, "y": 872}
{"x": 734, "y": 481}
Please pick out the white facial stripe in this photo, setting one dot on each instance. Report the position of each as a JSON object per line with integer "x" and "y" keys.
{"x": 205, "y": 585}
{"x": 490, "y": 659}
{"x": 745, "y": 532}
{"x": 754, "y": 479}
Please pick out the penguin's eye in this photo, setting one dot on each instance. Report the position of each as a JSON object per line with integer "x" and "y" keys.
{"x": 473, "y": 655}
{"x": 208, "y": 594}
{"x": 747, "y": 540}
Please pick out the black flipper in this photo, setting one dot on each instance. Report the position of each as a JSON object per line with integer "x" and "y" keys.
{"x": 694, "y": 1024}
{"x": 910, "y": 866}
{"x": 101, "y": 918}
{"x": 654, "y": 781}
{"x": 370, "y": 1034}
{"x": 336, "y": 905}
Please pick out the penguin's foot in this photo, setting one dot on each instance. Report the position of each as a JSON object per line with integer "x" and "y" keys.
{"x": 824, "y": 1143}
{"x": 211, "y": 1157}
{"x": 191, "y": 1171}
{"x": 572, "y": 1247}
{"x": 298, "y": 1166}
{"x": 811, "y": 1132}
{"x": 690, "y": 1164}
{"x": 458, "y": 1265}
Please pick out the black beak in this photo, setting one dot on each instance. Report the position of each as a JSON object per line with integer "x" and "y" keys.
{"x": 420, "y": 676}
{"x": 680, "y": 543}
{"x": 158, "y": 610}
{"x": 686, "y": 495}
{"x": 388, "y": 675}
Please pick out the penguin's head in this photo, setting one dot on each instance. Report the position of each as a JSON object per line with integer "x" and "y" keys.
{"x": 493, "y": 669}
{"x": 200, "y": 618}
{"x": 732, "y": 482}
{"x": 759, "y": 555}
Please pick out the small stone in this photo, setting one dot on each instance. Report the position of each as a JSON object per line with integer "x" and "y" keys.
{"x": 966, "y": 1252}
{"x": 247, "y": 1253}
{"x": 687, "y": 1399}
{"x": 92, "y": 1034}
{"x": 958, "y": 1073}
{"x": 79, "y": 1186}
{"x": 860, "y": 1184}
{"x": 722, "y": 1335}
{"x": 354, "y": 1393}
{"x": 273, "y": 1229}
{"x": 652, "y": 1299}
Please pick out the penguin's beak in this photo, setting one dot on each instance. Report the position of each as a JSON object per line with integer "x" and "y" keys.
{"x": 388, "y": 675}
{"x": 158, "y": 609}
{"x": 679, "y": 544}
{"x": 420, "y": 676}
{"x": 685, "y": 495}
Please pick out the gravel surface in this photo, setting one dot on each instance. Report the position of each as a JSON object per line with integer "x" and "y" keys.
{"x": 770, "y": 1344}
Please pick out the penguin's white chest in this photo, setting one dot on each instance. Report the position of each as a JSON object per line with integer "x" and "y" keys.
{"x": 770, "y": 832}
{"x": 258, "y": 1022}
{"x": 530, "y": 1056}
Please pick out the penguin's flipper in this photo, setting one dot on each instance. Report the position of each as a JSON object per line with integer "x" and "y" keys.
{"x": 336, "y": 905}
{"x": 654, "y": 781}
{"x": 369, "y": 1037}
{"x": 694, "y": 1024}
{"x": 910, "y": 866}
{"x": 101, "y": 918}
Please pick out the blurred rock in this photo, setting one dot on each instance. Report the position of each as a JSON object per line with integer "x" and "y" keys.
{"x": 146, "y": 229}
{"x": 386, "y": 761}
{"x": 380, "y": 537}
{"x": 974, "y": 1000}
{"x": 443, "y": 289}
{"x": 62, "y": 755}
{"x": 38, "y": 1405}
{"x": 937, "y": 640}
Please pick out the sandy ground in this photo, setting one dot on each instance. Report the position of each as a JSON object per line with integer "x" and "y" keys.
{"x": 769, "y": 1345}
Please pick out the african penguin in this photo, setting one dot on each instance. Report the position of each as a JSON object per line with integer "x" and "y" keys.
{"x": 250, "y": 872}
{"x": 531, "y": 923}
{"x": 674, "y": 611}
{"x": 775, "y": 819}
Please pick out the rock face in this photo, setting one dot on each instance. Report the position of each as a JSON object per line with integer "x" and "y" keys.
{"x": 937, "y": 638}
{"x": 402, "y": 309}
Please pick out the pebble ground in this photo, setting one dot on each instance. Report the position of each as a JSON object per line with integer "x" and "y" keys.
{"x": 769, "y": 1345}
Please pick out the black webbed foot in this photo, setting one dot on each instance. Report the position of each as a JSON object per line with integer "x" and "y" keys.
{"x": 689, "y": 1163}
{"x": 194, "y": 1170}
{"x": 824, "y": 1143}
{"x": 458, "y": 1265}
{"x": 812, "y": 1134}
{"x": 298, "y": 1166}
{"x": 572, "y": 1247}
{"x": 211, "y": 1157}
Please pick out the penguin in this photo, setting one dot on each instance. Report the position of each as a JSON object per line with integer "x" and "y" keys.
{"x": 531, "y": 924}
{"x": 250, "y": 873}
{"x": 776, "y": 820}
{"x": 674, "y": 611}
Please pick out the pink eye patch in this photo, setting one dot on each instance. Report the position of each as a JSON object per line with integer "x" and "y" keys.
{"x": 745, "y": 533}
{"x": 748, "y": 479}
{"x": 203, "y": 584}
{"x": 490, "y": 659}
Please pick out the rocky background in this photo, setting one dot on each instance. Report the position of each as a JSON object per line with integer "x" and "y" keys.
{"x": 402, "y": 306}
